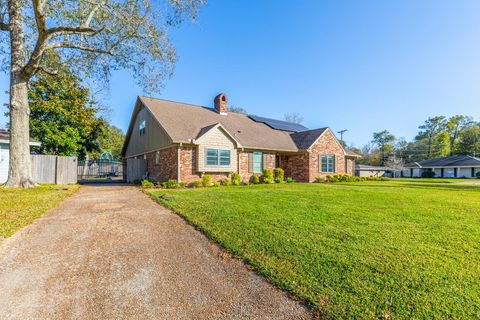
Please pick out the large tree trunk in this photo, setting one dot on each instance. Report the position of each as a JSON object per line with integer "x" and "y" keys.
{"x": 20, "y": 172}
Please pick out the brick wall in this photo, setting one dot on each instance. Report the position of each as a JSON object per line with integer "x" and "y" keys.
{"x": 188, "y": 166}
{"x": 296, "y": 166}
{"x": 328, "y": 145}
{"x": 350, "y": 166}
{"x": 167, "y": 167}
{"x": 244, "y": 166}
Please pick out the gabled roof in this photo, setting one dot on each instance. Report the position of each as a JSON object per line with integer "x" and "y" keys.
{"x": 5, "y": 138}
{"x": 305, "y": 139}
{"x": 207, "y": 129}
{"x": 453, "y": 161}
{"x": 184, "y": 123}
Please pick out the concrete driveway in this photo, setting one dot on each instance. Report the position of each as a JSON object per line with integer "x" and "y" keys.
{"x": 110, "y": 252}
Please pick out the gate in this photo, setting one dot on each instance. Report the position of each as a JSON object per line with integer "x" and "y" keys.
{"x": 101, "y": 171}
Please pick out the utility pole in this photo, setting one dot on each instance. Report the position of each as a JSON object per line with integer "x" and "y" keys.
{"x": 341, "y": 135}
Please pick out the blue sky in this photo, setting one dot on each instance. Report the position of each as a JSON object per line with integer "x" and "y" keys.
{"x": 364, "y": 66}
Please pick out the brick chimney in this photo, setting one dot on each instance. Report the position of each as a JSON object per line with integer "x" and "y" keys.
{"x": 221, "y": 103}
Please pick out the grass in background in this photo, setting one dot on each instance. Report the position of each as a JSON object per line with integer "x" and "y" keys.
{"x": 20, "y": 207}
{"x": 407, "y": 248}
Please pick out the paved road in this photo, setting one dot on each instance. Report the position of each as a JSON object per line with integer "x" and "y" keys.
{"x": 110, "y": 252}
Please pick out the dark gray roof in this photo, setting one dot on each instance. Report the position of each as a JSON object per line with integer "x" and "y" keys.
{"x": 305, "y": 139}
{"x": 366, "y": 167}
{"x": 279, "y": 124}
{"x": 453, "y": 161}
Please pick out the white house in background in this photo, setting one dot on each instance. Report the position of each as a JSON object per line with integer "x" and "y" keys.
{"x": 446, "y": 167}
{"x": 363, "y": 170}
{"x": 5, "y": 153}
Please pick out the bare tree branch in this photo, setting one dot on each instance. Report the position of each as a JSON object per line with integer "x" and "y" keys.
{"x": 4, "y": 26}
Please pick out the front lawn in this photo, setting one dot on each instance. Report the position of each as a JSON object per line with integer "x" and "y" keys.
{"x": 408, "y": 248}
{"x": 19, "y": 207}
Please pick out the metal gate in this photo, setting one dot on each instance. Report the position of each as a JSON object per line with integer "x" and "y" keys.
{"x": 101, "y": 171}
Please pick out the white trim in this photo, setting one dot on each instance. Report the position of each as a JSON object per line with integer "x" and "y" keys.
{"x": 150, "y": 151}
{"x": 225, "y": 131}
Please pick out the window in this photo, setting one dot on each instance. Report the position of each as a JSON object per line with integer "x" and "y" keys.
{"x": 328, "y": 163}
{"x": 157, "y": 158}
{"x": 257, "y": 164}
{"x": 217, "y": 157}
{"x": 145, "y": 157}
{"x": 141, "y": 128}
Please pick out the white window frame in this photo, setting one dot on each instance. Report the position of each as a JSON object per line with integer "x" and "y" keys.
{"x": 157, "y": 158}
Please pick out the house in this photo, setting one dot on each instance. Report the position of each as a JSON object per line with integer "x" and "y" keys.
{"x": 183, "y": 141}
{"x": 363, "y": 170}
{"x": 5, "y": 153}
{"x": 461, "y": 166}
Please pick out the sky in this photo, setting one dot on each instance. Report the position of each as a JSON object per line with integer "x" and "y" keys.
{"x": 364, "y": 66}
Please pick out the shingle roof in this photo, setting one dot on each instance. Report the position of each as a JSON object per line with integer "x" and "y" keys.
{"x": 453, "y": 161}
{"x": 184, "y": 122}
{"x": 305, "y": 139}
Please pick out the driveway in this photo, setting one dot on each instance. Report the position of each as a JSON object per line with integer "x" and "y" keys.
{"x": 110, "y": 252}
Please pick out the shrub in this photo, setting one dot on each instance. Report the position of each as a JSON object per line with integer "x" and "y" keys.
{"x": 267, "y": 176}
{"x": 197, "y": 183}
{"x": 216, "y": 184}
{"x": 227, "y": 182}
{"x": 428, "y": 174}
{"x": 279, "y": 175}
{"x": 478, "y": 175}
{"x": 245, "y": 183}
{"x": 206, "y": 180}
{"x": 182, "y": 184}
{"x": 320, "y": 179}
{"x": 170, "y": 184}
{"x": 256, "y": 179}
{"x": 290, "y": 180}
{"x": 235, "y": 179}
{"x": 147, "y": 184}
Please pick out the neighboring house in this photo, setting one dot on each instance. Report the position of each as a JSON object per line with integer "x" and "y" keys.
{"x": 5, "y": 153}
{"x": 363, "y": 170}
{"x": 446, "y": 167}
{"x": 183, "y": 141}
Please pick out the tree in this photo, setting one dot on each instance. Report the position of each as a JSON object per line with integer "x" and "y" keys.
{"x": 454, "y": 127}
{"x": 470, "y": 141}
{"x": 237, "y": 109}
{"x": 294, "y": 117}
{"x": 384, "y": 141}
{"x": 95, "y": 37}
{"x": 111, "y": 139}
{"x": 395, "y": 163}
{"x": 63, "y": 117}
{"x": 432, "y": 137}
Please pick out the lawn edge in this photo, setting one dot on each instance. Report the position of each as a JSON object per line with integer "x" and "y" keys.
{"x": 250, "y": 264}
{"x": 42, "y": 214}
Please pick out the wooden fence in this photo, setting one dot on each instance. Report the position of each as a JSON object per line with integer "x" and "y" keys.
{"x": 54, "y": 169}
{"x": 136, "y": 169}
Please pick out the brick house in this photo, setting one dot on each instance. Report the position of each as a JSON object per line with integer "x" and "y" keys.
{"x": 182, "y": 141}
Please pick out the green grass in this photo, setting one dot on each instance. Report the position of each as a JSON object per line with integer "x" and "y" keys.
{"x": 408, "y": 248}
{"x": 20, "y": 207}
